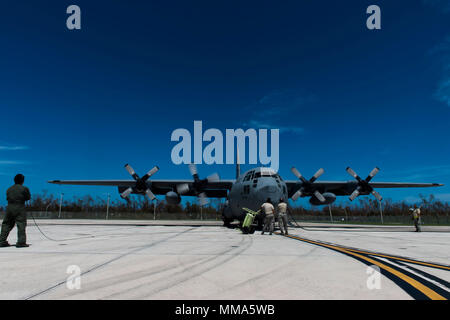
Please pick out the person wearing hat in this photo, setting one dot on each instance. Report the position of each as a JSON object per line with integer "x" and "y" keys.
{"x": 416, "y": 217}
{"x": 16, "y": 195}
{"x": 282, "y": 216}
{"x": 269, "y": 210}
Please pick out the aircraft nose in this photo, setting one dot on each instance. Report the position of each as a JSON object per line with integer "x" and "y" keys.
{"x": 270, "y": 191}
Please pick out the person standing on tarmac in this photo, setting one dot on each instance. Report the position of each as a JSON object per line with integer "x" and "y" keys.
{"x": 16, "y": 195}
{"x": 282, "y": 216}
{"x": 268, "y": 208}
{"x": 416, "y": 217}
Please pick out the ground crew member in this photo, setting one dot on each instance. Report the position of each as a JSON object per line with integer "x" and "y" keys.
{"x": 269, "y": 210}
{"x": 15, "y": 213}
{"x": 416, "y": 217}
{"x": 282, "y": 216}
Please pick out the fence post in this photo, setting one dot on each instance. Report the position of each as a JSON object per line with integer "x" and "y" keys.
{"x": 381, "y": 211}
{"x": 60, "y": 205}
{"x": 107, "y": 207}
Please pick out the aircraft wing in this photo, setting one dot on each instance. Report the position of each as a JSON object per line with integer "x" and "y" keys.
{"x": 343, "y": 188}
{"x": 216, "y": 189}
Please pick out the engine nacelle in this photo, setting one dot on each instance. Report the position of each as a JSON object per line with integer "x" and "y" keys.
{"x": 329, "y": 199}
{"x": 173, "y": 197}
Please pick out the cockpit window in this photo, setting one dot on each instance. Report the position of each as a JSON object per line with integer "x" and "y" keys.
{"x": 249, "y": 176}
{"x": 268, "y": 174}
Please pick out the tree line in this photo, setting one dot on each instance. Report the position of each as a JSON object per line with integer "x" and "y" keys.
{"x": 363, "y": 206}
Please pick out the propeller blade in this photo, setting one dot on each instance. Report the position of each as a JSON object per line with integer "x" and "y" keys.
{"x": 372, "y": 174}
{"x": 126, "y": 193}
{"x": 352, "y": 173}
{"x": 354, "y": 195}
{"x": 363, "y": 185}
{"x": 319, "y": 196}
{"x": 182, "y": 188}
{"x": 213, "y": 178}
{"x": 150, "y": 194}
{"x": 317, "y": 175}
{"x": 377, "y": 195}
{"x": 297, "y": 195}
{"x": 202, "y": 199}
{"x": 131, "y": 172}
{"x": 150, "y": 173}
{"x": 296, "y": 173}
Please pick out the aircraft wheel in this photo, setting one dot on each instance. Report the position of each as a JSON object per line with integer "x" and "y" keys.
{"x": 227, "y": 222}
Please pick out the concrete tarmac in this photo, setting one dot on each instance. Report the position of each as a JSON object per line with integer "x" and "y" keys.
{"x": 201, "y": 260}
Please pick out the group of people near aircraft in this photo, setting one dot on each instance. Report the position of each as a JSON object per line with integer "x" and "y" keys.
{"x": 271, "y": 215}
{"x": 280, "y": 215}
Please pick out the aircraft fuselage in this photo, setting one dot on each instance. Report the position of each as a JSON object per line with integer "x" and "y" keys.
{"x": 252, "y": 189}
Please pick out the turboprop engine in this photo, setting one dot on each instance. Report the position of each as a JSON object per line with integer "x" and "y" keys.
{"x": 173, "y": 197}
{"x": 329, "y": 199}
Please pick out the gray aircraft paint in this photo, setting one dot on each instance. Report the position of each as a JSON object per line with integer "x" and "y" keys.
{"x": 252, "y": 189}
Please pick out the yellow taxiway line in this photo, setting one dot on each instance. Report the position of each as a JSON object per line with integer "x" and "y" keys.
{"x": 414, "y": 283}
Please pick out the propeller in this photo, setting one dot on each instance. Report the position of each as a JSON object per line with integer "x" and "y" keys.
{"x": 141, "y": 183}
{"x": 198, "y": 186}
{"x": 306, "y": 187}
{"x": 363, "y": 185}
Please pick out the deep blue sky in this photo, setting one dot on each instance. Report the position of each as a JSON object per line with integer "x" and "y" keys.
{"x": 81, "y": 104}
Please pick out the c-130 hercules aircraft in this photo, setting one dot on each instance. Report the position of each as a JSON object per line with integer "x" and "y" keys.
{"x": 248, "y": 190}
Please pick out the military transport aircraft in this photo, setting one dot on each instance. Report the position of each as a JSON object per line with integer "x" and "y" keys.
{"x": 248, "y": 190}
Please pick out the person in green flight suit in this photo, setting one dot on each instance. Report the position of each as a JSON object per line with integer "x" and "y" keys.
{"x": 16, "y": 195}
